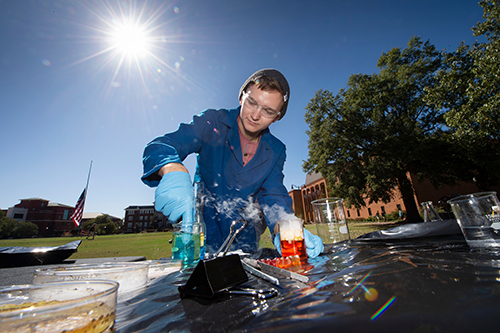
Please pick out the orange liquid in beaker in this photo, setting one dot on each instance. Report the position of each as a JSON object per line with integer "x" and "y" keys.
{"x": 294, "y": 247}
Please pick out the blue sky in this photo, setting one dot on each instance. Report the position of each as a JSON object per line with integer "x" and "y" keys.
{"x": 67, "y": 97}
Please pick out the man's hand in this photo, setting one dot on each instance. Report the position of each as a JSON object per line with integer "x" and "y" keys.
{"x": 314, "y": 244}
{"x": 276, "y": 242}
{"x": 174, "y": 197}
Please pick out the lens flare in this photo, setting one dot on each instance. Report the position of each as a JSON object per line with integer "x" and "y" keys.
{"x": 371, "y": 294}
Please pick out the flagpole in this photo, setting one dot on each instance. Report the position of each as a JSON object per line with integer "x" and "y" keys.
{"x": 88, "y": 178}
{"x": 77, "y": 214}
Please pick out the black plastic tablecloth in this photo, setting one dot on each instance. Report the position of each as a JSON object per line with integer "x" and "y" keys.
{"x": 419, "y": 284}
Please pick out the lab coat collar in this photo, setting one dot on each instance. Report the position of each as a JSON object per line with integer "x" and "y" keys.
{"x": 263, "y": 153}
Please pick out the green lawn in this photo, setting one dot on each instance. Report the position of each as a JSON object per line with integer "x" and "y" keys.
{"x": 150, "y": 245}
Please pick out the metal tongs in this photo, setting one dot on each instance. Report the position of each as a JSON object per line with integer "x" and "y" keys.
{"x": 230, "y": 238}
{"x": 275, "y": 270}
{"x": 258, "y": 293}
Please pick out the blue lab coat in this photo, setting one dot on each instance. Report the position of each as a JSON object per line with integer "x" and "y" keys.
{"x": 231, "y": 191}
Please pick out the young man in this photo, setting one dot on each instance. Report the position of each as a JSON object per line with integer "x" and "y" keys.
{"x": 239, "y": 171}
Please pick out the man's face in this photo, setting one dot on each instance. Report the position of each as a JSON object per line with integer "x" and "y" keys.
{"x": 259, "y": 110}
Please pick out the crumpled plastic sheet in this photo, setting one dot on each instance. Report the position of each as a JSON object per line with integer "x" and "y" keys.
{"x": 416, "y": 230}
{"x": 14, "y": 256}
{"x": 430, "y": 284}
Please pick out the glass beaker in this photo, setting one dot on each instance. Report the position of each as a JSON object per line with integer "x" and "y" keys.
{"x": 478, "y": 215}
{"x": 188, "y": 242}
{"x": 292, "y": 238}
{"x": 330, "y": 219}
{"x": 430, "y": 213}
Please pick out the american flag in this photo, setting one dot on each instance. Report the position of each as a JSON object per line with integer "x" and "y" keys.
{"x": 78, "y": 213}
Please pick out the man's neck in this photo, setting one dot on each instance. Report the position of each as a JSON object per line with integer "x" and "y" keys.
{"x": 249, "y": 136}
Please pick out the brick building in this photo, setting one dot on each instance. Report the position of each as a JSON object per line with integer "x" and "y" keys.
{"x": 316, "y": 188}
{"x": 52, "y": 218}
{"x": 142, "y": 218}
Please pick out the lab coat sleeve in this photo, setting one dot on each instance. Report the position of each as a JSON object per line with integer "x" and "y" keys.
{"x": 273, "y": 197}
{"x": 173, "y": 147}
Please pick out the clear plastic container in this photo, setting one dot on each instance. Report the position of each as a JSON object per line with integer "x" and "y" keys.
{"x": 162, "y": 267}
{"x": 131, "y": 275}
{"x": 80, "y": 306}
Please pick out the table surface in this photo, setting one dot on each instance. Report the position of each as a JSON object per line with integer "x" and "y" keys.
{"x": 421, "y": 284}
{"x": 434, "y": 284}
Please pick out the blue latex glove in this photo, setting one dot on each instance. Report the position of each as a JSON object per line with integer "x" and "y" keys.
{"x": 314, "y": 244}
{"x": 276, "y": 242}
{"x": 174, "y": 197}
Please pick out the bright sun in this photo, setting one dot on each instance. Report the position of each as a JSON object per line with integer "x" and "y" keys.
{"x": 130, "y": 40}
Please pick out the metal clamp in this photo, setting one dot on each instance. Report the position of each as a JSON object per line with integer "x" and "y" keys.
{"x": 260, "y": 274}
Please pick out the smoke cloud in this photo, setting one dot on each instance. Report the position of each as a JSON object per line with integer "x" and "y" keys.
{"x": 276, "y": 213}
{"x": 248, "y": 209}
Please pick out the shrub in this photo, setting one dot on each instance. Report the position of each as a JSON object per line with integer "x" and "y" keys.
{"x": 25, "y": 229}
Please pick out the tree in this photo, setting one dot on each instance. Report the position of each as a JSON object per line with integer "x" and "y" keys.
{"x": 368, "y": 138}
{"x": 26, "y": 229}
{"x": 87, "y": 225}
{"x": 7, "y": 225}
{"x": 104, "y": 225}
{"x": 486, "y": 68}
{"x": 468, "y": 88}
{"x": 107, "y": 229}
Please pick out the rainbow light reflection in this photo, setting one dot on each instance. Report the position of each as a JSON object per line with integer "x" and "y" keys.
{"x": 383, "y": 308}
{"x": 359, "y": 283}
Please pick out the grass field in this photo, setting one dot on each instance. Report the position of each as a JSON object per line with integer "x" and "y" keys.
{"x": 150, "y": 245}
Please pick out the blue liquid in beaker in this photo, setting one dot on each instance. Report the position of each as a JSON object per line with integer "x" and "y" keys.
{"x": 186, "y": 247}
